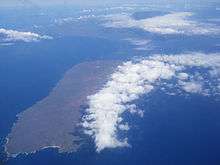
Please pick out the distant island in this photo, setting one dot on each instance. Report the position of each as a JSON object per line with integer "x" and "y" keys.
{"x": 52, "y": 122}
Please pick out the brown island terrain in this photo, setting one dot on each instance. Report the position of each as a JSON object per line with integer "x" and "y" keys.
{"x": 53, "y": 121}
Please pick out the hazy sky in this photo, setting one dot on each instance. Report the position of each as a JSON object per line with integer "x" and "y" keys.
{"x": 89, "y": 2}
{"x": 52, "y": 2}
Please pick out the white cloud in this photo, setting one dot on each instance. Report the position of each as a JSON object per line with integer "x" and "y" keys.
{"x": 182, "y": 76}
{"x": 13, "y": 35}
{"x": 131, "y": 80}
{"x": 124, "y": 127}
{"x": 61, "y": 21}
{"x": 173, "y": 23}
{"x": 191, "y": 87}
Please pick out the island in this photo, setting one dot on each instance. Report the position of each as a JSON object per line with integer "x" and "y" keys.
{"x": 53, "y": 121}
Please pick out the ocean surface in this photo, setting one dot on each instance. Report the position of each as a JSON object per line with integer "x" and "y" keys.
{"x": 180, "y": 129}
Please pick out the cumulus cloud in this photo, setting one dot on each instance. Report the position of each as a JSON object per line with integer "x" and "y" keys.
{"x": 173, "y": 23}
{"x": 13, "y": 35}
{"x": 131, "y": 80}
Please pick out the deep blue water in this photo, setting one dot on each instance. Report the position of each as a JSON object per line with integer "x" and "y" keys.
{"x": 175, "y": 129}
{"x": 30, "y": 70}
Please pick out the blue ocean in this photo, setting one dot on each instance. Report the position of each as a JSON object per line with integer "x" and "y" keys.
{"x": 175, "y": 130}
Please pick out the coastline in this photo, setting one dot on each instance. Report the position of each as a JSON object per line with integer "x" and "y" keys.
{"x": 61, "y": 108}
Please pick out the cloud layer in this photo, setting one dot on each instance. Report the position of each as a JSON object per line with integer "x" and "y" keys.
{"x": 13, "y": 35}
{"x": 173, "y": 23}
{"x": 103, "y": 119}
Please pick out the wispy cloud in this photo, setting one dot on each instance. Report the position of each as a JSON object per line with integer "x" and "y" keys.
{"x": 140, "y": 44}
{"x": 61, "y": 21}
{"x": 134, "y": 79}
{"x": 173, "y": 23}
{"x": 13, "y": 35}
